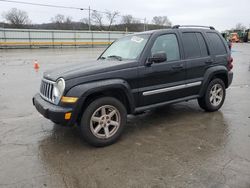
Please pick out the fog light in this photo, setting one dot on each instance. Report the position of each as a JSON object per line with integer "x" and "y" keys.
{"x": 67, "y": 116}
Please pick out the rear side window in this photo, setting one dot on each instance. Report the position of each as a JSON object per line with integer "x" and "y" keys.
{"x": 203, "y": 46}
{"x": 191, "y": 45}
{"x": 167, "y": 43}
{"x": 194, "y": 45}
{"x": 217, "y": 46}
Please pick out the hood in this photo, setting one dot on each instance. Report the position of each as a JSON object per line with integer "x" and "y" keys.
{"x": 86, "y": 69}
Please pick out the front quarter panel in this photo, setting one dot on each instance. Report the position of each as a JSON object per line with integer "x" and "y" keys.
{"x": 84, "y": 90}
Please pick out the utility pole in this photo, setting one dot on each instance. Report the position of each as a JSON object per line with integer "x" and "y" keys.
{"x": 89, "y": 20}
{"x": 144, "y": 24}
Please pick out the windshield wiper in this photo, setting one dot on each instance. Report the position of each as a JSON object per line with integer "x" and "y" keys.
{"x": 119, "y": 58}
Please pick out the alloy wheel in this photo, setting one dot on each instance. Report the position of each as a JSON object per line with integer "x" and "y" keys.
{"x": 216, "y": 95}
{"x": 105, "y": 121}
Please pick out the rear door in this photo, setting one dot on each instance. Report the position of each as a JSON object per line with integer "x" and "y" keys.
{"x": 218, "y": 48}
{"x": 197, "y": 58}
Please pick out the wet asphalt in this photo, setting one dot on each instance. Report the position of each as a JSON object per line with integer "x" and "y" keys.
{"x": 175, "y": 146}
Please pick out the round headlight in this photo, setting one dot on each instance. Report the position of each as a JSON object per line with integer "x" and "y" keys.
{"x": 58, "y": 90}
{"x": 60, "y": 85}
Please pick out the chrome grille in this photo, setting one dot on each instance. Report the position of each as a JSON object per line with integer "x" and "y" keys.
{"x": 46, "y": 89}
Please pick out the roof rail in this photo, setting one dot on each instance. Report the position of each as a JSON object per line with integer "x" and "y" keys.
{"x": 178, "y": 26}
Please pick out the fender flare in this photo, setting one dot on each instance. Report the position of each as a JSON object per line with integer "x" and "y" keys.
{"x": 209, "y": 74}
{"x": 82, "y": 91}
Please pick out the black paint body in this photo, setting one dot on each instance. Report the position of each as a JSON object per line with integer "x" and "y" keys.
{"x": 133, "y": 79}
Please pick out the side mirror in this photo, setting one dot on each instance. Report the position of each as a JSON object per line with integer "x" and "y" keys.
{"x": 158, "y": 57}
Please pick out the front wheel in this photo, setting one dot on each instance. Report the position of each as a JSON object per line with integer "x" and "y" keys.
{"x": 214, "y": 96}
{"x": 103, "y": 121}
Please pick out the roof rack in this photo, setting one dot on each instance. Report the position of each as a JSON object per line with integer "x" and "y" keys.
{"x": 178, "y": 26}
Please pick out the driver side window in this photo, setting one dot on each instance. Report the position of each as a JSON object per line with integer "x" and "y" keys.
{"x": 167, "y": 43}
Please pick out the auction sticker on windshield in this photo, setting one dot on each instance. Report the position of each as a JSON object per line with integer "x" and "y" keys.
{"x": 137, "y": 39}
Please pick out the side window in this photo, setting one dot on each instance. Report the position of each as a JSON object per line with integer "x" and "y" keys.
{"x": 167, "y": 43}
{"x": 217, "y": 46}
{"x": 191, "y": 45}
{"x": 203, "y": 46}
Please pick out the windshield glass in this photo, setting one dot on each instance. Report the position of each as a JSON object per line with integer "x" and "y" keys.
{"x": 126, "y": 48}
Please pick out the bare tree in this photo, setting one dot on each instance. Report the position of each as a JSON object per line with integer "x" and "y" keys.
{"x": 84, "y": 20}
{"x": 68, "y": 20}
{"x": 97, "y": 18}
{"x": 59, "y": 18}
{"x": 111, "y": 17}
{"x": 16, "y": 17}
{"x": 131, "y": 23}
{"x": 62, "y": 22}
{"x": 161, "y": 20}
{"x": 240, "y": 26}
{"x": 128, "y": 19}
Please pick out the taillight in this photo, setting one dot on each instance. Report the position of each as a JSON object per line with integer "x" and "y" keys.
{"x": 230, "y": 63}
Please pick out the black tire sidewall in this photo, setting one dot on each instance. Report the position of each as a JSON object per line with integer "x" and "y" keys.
{"x": 201, "y": 102}
{"x": 85, "y": 121}
{"x": 209, "y": 106}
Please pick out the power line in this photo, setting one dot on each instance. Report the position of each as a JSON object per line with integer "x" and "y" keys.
{"x": 58, "y": 6}
{"x": 52, "y": 6}
{"x": 65, "y": 7}
{"x": 44, "y": 5}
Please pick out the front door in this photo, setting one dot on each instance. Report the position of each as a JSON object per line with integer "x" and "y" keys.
{"x": 160, "y": 82}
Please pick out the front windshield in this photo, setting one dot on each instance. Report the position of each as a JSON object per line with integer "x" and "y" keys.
{"x": 126, "y": 48}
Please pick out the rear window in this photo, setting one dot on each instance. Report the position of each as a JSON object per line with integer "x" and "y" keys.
{"x": 217, "y": 46}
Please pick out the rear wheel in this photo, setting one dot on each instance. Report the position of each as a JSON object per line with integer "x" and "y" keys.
{"x": 214, "y": 96}
{"x": 103, "y": 121}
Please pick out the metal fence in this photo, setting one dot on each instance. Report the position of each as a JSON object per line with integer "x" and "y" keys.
{"x": 32, "y": 38}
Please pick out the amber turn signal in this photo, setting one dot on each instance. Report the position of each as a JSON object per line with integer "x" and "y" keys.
{"x": 67, "y": 116}
{"x": 69, "y": 99}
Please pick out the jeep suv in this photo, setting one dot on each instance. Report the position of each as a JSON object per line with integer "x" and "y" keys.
{"x": 136, "y": 73}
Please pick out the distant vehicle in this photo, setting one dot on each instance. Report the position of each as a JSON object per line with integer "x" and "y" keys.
{"x": 234, "y": 37}
{"x": 136, "y": 73}
{"x": 246, "y": 36}
{"x": 225, "y": 36}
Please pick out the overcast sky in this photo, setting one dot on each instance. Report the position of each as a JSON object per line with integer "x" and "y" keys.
{"x": 223, "y": 14}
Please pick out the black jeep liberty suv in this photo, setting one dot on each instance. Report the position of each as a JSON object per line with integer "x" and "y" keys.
{"x": 136, "y": 73}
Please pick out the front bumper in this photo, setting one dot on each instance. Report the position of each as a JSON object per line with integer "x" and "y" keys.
{"x": 50, "y": 111}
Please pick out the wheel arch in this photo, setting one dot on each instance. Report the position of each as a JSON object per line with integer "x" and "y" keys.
{"x": 88, "y": 92}
{"x": 220, "y": 72}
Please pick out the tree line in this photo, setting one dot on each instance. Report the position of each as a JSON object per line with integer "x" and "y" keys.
{"x": 102, "y": 21}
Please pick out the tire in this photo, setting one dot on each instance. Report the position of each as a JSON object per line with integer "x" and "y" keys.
{"x": 214, "y": 96}
{"x": 103, "y": 121}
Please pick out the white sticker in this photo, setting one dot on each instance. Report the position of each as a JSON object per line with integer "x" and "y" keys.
{"x": 137, "y": 39}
